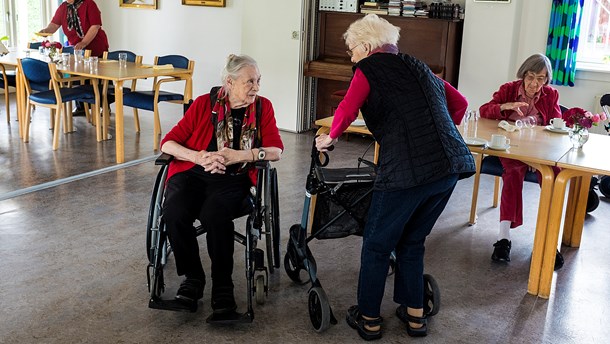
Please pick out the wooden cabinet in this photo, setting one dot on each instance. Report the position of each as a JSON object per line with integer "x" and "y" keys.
{"x": 437, "y": 42}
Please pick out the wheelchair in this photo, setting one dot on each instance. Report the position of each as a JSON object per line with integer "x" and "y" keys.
{"x": 262, "y": 210}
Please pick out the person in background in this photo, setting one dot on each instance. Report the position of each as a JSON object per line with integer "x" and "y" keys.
{"x": 413, "y": 115}
{"x": 211, "y": 175}
{"x": 529, "y": 96}
{"x": 81, "y": 22}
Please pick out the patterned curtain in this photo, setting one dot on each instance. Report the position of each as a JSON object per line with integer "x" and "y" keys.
{"x": 562, "y": 42}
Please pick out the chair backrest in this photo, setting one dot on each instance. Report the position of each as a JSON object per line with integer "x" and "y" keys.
{"x": 34, "y": 45}
{"x": 175, "y": 60}
{"x": 36, "y": 73}
{"x": 68, "y": 49}
{"x": 114, "y": 55}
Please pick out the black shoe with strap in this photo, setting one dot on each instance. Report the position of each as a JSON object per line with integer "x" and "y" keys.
{"x": 355, "y": 320}
{"x": 191, "y": 290}
{"x": 223, "y": 300}
{"x": 401, "y": 313}
{"x": 502, "y": 250}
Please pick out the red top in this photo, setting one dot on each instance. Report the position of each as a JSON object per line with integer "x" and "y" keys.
{"x": 547, "y": 103}
{"x": 89, "y": 15}
{"x": 358, "y": 92}
{"x": 195, "y": 129}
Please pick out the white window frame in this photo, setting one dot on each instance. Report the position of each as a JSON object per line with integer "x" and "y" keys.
{"x": 589, "y": 55}
{"x": 9, "y": 19}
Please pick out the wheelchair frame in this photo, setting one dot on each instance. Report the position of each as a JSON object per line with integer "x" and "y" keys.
{"x": 262, "y": 220}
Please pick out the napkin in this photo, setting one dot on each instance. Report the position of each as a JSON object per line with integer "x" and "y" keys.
{"x": 108, "y": 61}
{"x": 507, "y": 126}
{"x": 165, "y": 66}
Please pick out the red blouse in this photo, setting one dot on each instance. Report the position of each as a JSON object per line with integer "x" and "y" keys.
{"x": 89, "y": 15}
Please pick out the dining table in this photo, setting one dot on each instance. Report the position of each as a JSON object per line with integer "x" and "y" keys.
{"x": 106, "y": 71}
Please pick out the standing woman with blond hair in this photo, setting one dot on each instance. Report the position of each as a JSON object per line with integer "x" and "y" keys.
{"x": 413, "y": 115}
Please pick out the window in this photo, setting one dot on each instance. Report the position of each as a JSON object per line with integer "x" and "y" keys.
{"x": 22, "y": 18}
{"x": 594, "y": 43}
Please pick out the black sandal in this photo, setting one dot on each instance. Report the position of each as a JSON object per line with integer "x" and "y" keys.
{"x": 355, "y": 320}
{"x": 401, "y": 313}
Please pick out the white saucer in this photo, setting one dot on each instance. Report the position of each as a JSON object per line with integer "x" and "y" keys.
{"x": 475, "y": 141}
{"x": 552, "y": 129}
{"x": 358, "y": 123}
{"x": 498, "y": 148}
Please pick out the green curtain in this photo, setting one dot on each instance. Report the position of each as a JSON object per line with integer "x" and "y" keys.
{"x": 562, "y": 42}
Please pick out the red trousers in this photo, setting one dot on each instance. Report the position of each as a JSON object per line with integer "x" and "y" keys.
{"x": 511, "y": 203}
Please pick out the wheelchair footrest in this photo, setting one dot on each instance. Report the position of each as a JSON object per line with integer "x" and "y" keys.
{"x": 173, "y": 305}
{"x": 229, "y": 318}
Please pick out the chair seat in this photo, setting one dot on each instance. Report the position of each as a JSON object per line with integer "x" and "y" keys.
{"x": 492, "y": 165}
{"x": 67, "y": 94}
{"x": 10, "y": 80}
{"x": 145, "y": 99}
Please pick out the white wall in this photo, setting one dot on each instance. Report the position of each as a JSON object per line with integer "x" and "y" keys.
{"x": 208, "y": 34}
{"x": 498, "y": 37}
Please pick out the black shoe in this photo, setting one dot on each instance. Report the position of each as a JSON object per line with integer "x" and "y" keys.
{"x": 190, "y": 290}
{"x": 558, "y": 260}
{"x": 502, "y": 250}
{"x": 355, "y": 320}
{"x": 223, "y": 300}
{"x": 78, "y": 112}
{"x": 401, "y": 313}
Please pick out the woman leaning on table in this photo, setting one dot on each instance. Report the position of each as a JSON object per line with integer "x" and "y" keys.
{"x": 412, "y": 114}
{"x": 81, "y": 22}
{"x": 530, "y": 95}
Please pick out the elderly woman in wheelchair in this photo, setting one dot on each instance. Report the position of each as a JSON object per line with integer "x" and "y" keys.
{"x": 215, "y": 148}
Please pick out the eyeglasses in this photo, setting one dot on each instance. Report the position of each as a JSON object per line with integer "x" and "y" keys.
{"x": 350, "y": 52}
{"x": 531, "y": 77}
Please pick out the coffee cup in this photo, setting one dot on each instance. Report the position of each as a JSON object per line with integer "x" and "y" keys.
{"x": 499, "y": 141}
{"x": 558, "y": 123}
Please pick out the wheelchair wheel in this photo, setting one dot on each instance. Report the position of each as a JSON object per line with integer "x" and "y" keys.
{"x": 272, "y": 221}
{"x": 260, "y": 289}
{"x": 432, "y": 296}
{"x": 319, "y": 309}
{"x": 592, "y": 201}
{"x": 294, "y": 265}
{"x": 154, "y": 222}
{"x": 604, "y": 186}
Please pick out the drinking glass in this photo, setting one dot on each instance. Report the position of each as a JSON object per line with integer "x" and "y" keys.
{"x": 519, "y": 124}
{"x": 79, "y": 55}
{"x": 122, "y": 60}
{"x": 530, "y": 121}
{"x": 93, "y": 63}
{"x": 65, "y": 59}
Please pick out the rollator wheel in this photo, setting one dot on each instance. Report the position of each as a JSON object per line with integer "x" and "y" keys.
{"x": 319, "y": 309}
{"x": 432, "y": 296}
{"x": 592, "y": 201}
{"x": 260, "y": 289}
{"x": 294, "y": 265}
{"x": 604, "y": 186}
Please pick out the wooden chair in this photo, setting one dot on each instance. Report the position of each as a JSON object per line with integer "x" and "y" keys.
{"x": 52, "y": 93}
{"x": 149, "y": 100}
{"x": 7, "y": 79}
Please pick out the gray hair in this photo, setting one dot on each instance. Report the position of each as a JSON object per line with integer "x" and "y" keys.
{"x": 536, "y": 64}
{"x": 235, "y": 63}
{"x": 373, "y": 30}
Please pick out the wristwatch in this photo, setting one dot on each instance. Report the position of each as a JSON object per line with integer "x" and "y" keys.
{"x": 261, "y": 154}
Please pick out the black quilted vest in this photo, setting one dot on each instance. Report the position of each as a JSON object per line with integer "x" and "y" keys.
{"x": 406, "y": 112}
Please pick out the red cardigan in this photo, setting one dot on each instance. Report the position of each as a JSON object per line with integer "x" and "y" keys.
{"x": 547, "y": 105}
{"x": 195, "y": 129}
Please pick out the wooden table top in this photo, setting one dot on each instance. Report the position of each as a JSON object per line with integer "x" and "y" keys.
{"x": 328, "y": 121}
{"x": 593, "y": 157}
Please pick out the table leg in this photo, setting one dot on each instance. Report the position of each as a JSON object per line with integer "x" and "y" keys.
{"x": 120, "y": 139}
{"x": 478, "y": 159}
{"x": 552, "y": 236}
{"x": 575, "y": 210}
{"x": 542, "y": 222}
{"x": 20, "y": 95}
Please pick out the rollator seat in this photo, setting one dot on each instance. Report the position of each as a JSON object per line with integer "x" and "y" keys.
{"x": 349, "y": 175}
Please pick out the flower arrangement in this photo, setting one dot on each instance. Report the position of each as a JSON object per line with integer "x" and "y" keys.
{"x": 577, "y": 117}
{"x": 52, "y": 48}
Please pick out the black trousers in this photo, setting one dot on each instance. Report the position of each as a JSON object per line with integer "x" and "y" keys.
{"x": 215, "y": 200}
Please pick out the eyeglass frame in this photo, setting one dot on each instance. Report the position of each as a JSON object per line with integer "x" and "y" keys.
{"x": 350, "y": 52}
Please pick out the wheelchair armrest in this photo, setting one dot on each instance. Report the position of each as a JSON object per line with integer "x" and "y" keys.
{"x": 261, "y": 165}
{"x": 164, "y": 159}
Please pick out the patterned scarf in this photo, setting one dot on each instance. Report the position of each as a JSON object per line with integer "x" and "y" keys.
{"x": 224, "y": 125}
{"x": 73, "y": 19}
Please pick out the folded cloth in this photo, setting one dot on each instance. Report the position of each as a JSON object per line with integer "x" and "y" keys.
{"x": 108, "y": 61}
{"x": 507, "y": 126}
{"x": 165, "y": 66}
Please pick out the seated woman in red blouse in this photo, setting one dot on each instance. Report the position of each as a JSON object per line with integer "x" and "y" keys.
{"x": 529, "y": 96}
{"x": 81, "y": 22}
{"x": 211, "y": 175}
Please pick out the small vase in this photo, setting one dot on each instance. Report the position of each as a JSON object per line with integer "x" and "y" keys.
{"x": 579, "y": 136}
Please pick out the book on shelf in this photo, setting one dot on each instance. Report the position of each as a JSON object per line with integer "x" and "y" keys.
{"x": 381, "y": 11}
{"x": 370, "y": 3}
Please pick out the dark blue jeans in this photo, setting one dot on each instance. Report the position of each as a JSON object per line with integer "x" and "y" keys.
{"x": 399, "y": 220}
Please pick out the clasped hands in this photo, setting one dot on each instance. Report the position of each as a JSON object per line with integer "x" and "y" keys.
{"x": 217, "y": 162}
